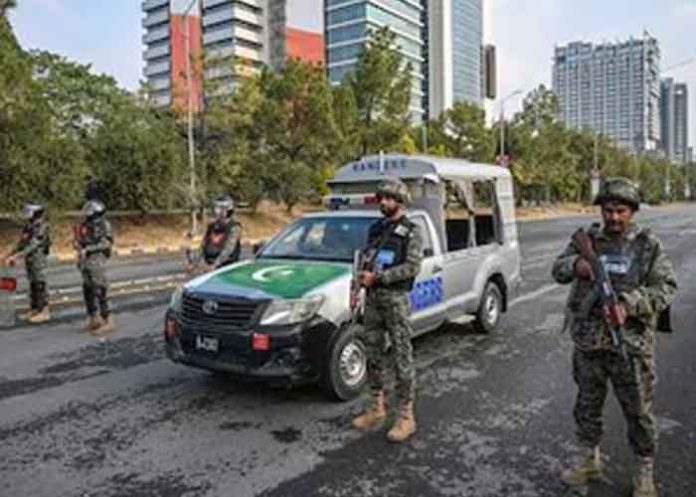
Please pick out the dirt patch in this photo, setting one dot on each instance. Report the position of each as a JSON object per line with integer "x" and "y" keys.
{"x": 554, "y": 211}
{"x": 157, "y": 231}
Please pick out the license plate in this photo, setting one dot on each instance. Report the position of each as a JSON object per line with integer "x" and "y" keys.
{"x": 208, "y": 344}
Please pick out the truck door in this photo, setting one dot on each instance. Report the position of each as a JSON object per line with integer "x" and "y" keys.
{"x": 428, "y": 306}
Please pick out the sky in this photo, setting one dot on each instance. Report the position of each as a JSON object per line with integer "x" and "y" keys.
{"x": 107, "y": 34}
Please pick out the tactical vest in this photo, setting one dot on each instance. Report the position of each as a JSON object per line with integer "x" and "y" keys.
{"x": 216, "y": 237}
{"x": 40, "y": 230}
{"x": 394, "y": 250}
{"x": 627, "y": 262}
{"x": 92, "y": 233}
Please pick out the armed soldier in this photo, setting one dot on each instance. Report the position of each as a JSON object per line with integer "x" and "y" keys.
{"x": 93, "y": 243}
{"x": 221, "y": 244}
{"x": 644, "y": 281}
{"x": 399, "y": 251}
{"x": 34, "y": 246}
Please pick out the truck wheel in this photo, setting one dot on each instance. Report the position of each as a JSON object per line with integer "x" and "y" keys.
{"x": 345, "y": 373}
{"x": 490, "y": 309}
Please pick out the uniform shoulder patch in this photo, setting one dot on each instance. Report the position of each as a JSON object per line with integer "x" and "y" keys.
{"x": 402, "y": 230}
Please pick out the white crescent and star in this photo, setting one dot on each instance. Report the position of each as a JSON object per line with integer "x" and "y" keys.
{"x": 264, "y": 275}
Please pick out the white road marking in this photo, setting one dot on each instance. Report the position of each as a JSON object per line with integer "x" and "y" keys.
{"x": 535, "y": 294}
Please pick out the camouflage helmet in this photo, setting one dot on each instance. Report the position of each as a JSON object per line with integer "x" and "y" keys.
{"x": 32, "y": 210}
{"x": 394, "y": 188}
{"x": 92, "y": 209}
{"x": 619, "y": 190}
{"x": 223, "y": 206}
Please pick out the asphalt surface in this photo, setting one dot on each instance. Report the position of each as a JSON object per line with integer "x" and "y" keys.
{"x": 84, "y": 417}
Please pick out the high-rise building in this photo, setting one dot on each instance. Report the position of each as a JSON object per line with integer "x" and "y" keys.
{"x": 612, "y": 89}
{"x": 442, "y": 40}
{"x": 240, "y": 35}
{"x": 305, "y": 45}
{"x": 226, "y": 37}
{"x": 167, "y": 32}
{"x": 347, "y": 27}
{"x": 455, "y": 56}
{"x": 674, "y": 116}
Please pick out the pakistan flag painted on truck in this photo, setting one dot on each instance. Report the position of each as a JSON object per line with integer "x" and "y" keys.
{"x": 283, "y": 279}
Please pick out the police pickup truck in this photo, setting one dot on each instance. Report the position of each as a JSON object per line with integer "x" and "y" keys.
{"x": 285, "y": 315}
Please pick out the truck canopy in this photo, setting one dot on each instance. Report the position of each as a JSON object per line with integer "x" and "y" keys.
{"x": 446, "y": 188}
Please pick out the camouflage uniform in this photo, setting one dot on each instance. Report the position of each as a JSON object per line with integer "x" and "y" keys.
{"x": 95, "y": 242}
{"x": 644, "y": 279}
{"x": 387, "y": 306}
{"x": 34, "y": 247}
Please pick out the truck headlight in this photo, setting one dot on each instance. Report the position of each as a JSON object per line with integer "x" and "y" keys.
{"x": 281, "y": 312}
{"x": 175, "y": 302}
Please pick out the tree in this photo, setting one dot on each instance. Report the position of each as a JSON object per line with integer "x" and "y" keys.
{"x": 381, "y": 85}
{"x": 296, "y": 128}
{"x": 462, "y": 132}
{"x": 544, "y": 166}
{"x": 345, "y": 112}
{"x": 38, "y": 160}
{"x": 137, "y": 154}
{"x": 235, "y": 164}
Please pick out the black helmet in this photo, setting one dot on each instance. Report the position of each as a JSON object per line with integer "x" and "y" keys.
{"x": 93, "y": 208}
{"x": 223, "y": 207}
{"x": 32, "y": 210}
{"x": 619, "y": 190}
{"x": 394, "y": 188}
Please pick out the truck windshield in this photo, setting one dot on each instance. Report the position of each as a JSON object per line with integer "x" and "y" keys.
{"x": 321, "y": 238}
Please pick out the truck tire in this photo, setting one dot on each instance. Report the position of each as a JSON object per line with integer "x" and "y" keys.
{"x": 490, "y": 309}
{"x": 345, "y": 373}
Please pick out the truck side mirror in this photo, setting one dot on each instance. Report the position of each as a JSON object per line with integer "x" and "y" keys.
{"x": 256, "y": 248}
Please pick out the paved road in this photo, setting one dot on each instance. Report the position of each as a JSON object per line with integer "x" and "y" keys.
{"x": 80, "y": 417}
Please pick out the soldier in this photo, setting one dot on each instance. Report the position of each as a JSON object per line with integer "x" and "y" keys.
{"x": 93, "y": 243}
{"x": 221, "y": 244}
{"x": 399, "y": 251}
{"x": 644, "y": 280}
{"x": 34, "y": 247}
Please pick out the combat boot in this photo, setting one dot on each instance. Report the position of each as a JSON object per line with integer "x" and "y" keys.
{"x": 28, "y": 315}
{"x": 93, "y": 323}
{"x": 588, "y": 469}
{"x": 42, "y": 316}
{"x": 405, "y": 425}
{"x": 644, "y": 477}
{"x": 106, "y": 327}
{"x": 374, "y": 414}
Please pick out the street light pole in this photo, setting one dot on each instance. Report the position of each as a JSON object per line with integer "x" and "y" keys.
{"x": 502, "y": 120}
{"x": 191, "y": 144}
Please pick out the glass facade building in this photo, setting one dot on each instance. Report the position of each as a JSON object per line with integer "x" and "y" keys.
{"x": 467, "y": 42}
{"x": 347, "y": 27}
{"x": 441, "y": 39}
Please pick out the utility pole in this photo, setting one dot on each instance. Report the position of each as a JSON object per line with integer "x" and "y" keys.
{"x": 502, "y": 120}
{"x": 191, "y": 144}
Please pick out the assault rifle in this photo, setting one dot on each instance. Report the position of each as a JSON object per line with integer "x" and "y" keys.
{"x": 606, "y": 295}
